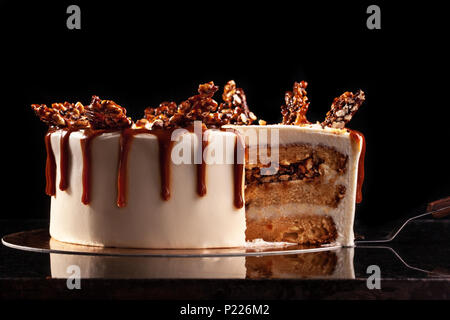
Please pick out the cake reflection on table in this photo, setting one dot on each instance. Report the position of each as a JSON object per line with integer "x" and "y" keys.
{"x": 147, "y": 267}
{"x": 323, "y": 264}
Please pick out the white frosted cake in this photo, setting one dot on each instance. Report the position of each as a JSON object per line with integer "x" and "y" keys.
{"x": 199, "y": 175}
{"x": 145, "y": 219}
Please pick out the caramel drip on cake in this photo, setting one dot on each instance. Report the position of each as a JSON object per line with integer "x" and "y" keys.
{"x": 356, "y": 136}
{"x": 86, "y": 152}
{"x": 239, "y": 147}
{"x": 201, "y": 167}
{"x": 122, "y": 177}
{"x": 165, "y": 148}
{"x": 238, "y": 170}
{"x": 64, "y": 160}
{"x": 50, "y": 167}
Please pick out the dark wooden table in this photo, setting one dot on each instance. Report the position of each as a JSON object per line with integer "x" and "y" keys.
{"x": 424, "y": 246}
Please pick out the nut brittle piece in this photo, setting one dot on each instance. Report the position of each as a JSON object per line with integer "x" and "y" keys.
{"x": 343, "y": 108}
{"x": 296, "y": 105}
{"x": 170, "y": 115}
{"x": 159, "y": 117}
{"x": 62, "y": 115}
{"x": 106, "y": 114}
{"x": 201, "y": 107}
{"x": 234, "y": 109}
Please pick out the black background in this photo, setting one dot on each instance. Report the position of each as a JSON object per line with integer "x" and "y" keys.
{"x": 141, "y": 55}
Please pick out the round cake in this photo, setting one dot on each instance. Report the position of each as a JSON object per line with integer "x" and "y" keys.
{"x": 200, "y": 174}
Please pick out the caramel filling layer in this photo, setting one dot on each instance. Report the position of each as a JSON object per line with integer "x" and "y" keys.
{"x": 305, "y": 174}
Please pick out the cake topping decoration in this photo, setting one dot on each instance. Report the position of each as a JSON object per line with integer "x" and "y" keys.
{"x": 106, "y": 114}
{"x": 100, "y": 114}
{"x": 235, "y": 105}
{"x": 171, "y": 115}
{"x": 343, "y": 108}
{"x": 201, "y": 107}
{"x": 62, "y": 115}
{"x": 296, "y": 105}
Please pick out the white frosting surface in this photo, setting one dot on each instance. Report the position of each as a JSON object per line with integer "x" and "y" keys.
{"x": 312, "y": 134}
{"x": 186, "y": 220}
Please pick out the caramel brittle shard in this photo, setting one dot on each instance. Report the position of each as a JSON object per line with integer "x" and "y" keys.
{"x": 100, "y": 114}
{"x": 296, "y": 105}
{"x": 235, "y": 108}
{"x": 207, "y": 90}
{"x": 159, "y": 117}
{"x": 62, "y": 115}
{"x": 171, "y": 115}
{"x": 74, "y": 114}
{"x": 50, "y": 116}
{"x": 106, "y": 114}
{"x": 201, "y": 107}
{"x": 343, "y": 108}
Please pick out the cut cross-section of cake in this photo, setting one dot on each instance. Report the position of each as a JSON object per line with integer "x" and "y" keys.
{"x": 309, "y": 196}
{"x": 301, "y": 179}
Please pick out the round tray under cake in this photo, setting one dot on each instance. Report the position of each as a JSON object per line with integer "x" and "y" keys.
{"x": 40, "y": 241}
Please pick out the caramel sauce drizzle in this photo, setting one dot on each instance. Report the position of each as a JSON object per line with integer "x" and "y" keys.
{"x": 50, "y": 166}
{"x": 239, "y": 148}
{"x": 356, "y": 136}
{"x": 201, "y": 167}
{"x": 165, "y": 149}
{"x": 122, "y": 177}
{"x": 64, "y": 160}
{"x": 165, "y": 145}
{"x": 87, "y": 162}
{"x": 238, "y": 170}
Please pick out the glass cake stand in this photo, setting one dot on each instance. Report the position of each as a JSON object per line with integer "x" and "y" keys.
{"x": 40, "y": 241}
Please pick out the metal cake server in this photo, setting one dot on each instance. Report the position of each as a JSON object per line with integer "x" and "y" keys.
{"x": 436, "y": 209}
